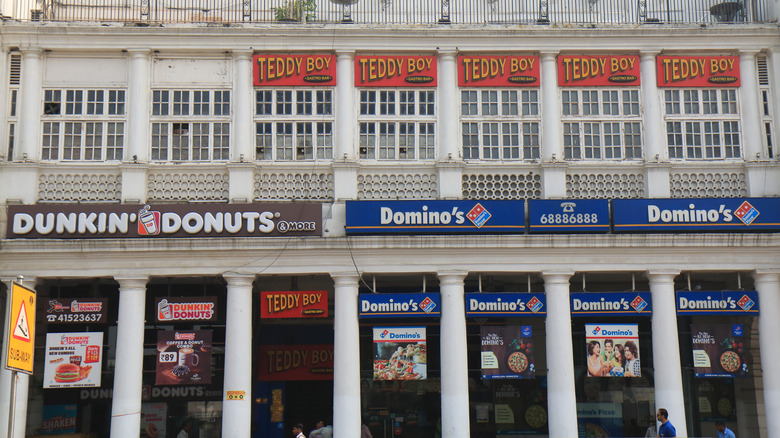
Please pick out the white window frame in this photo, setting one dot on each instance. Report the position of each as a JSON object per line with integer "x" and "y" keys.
{"x": 190, "y": 125}
{"x": 83, "y": 124}
{"x": 294, "y": 124}
{"x": 500, "y": 124}
{"x": 601, "y": 124}
{"x": 702, "y": 123}
{"x": 397, "y": 124}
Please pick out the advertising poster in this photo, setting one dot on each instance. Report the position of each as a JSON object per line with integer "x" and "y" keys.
{"x": 283, "y": 70}
{"x": 613, "y": 350}
{"x": 183, "y": 357}
{"x": 76, "y": 310}
{"x": 600, "y": 419}
{"x": 719, "y": 350}
{"x": 294, "y": 304}
{"x": 498, "y": 71}
{"x": 507, "y": 352}
{"x": 400, "y": 353}
{"x": 295, "y": 362}
{"x": 698, "y": 71}
{"x": 73, "y": 360}
{"x": 194, "y": 309}
{"x": 519, "y": 410}
{"x": 395, "y": 71}
{"x": 58, "y": 419}
{"x": 589, "y": 70}
{"x": 153, "y": 418}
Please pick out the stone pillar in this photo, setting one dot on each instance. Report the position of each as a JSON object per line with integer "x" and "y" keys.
{"x": 22, "y": 383}
{"x": 242, "y": 152}
{"x": 561, "y": 399}
{"x": 30, "y": 107}
{"x": 655, "y": 151}
{"x": 344, "y": 159}
{"x": 136, "y": 154}
{"x": 768, "y": 287}
{"x": 454, "y": 362}
{"x": 666, "y": 350}
{"x": 749, "y": 98}
{"x": 449, "y": 161}
{"x": 237, "y": 414}
{"x": 128, "y": 372}
{"x": 553, "y": 166}
{"x": 346, "y": 351}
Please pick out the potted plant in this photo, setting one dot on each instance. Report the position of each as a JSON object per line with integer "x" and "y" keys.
{"x": 295, "y": 10}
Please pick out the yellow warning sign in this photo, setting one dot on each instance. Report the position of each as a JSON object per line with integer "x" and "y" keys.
{"x": 236, "y": 395}
{"x": 21, "y": 333}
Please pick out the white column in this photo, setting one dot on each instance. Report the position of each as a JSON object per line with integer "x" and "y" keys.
{"x": 30, "y": 107}
{"x": 454, "y": 363}
{"x": 139, "y": 97}
{"x": 344, "y": 160}
{"x": 346, "y": 351}
{"x": 128, "y": 372}
{"x": 552, "y": 136}
{"x": 22, "y": 384}
{"x": 242, "y": 152}
{"x": 768, "y": 287}
{"x": 449, "y": 161}
{"x": 237, "y": 414}
{"x": 136, "y": 154}
{"x": 666, "y": 350}
{"x": 655, "y": 152}
{"x": 561, "y": 399}
{"x": 752, "y": 128}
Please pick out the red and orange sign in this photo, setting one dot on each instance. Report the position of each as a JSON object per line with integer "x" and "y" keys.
{"x": 698, "y": 71}
{"x": 290, "y": 70}
{"x": 610, "y": 70}
{"x": 296, "y": 362}
{"x": 498, "y": 71}
{"x": 395, "y": 71}
{"x": 295, "y": 304}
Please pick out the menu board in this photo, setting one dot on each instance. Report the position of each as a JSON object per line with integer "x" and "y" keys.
{"x": 184, "y": 357}
{"x": 720, "y": 350}
{"x": 612, "y": 350}
{"x": 400, "y": 353}
{"x": 73, "y": 360}
{"x": 507, "y": 352}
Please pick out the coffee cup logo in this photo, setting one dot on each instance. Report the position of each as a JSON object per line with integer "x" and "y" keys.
{"x": 188, "y": 358}
{"x": 164, "y": 311}
{"x": 148, "y": 222}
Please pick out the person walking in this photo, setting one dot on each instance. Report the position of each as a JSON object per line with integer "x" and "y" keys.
{"x": 723, "y": 431}
{"x": 298, "y": 431}
{"x": 667, "y": 428}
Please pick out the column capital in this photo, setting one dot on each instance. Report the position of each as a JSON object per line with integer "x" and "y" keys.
{"x": 242, "y": 54}
{"x": 748, "y": 54}
{"x": 557, "y": 277}
{"x": 239, "y": 280}
{"x": 345, "y": 54}
{"x": 138, "y": 53}
{"x": 648, "y": 55}
{"x": 448, "y": 52}
{"x": 662, "y": 276}
{"x": 138, "y": 282}
{"x": 768, "y": 275}
{"x": 345, "y": 279}
{"x": 451, "y": 277}
{"x": 548, "y": 55}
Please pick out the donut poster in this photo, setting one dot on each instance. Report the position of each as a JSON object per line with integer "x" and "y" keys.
{"x": 720, "y": 350}
{"x": 507, "y": 352}
{"x": 183, "y": 357}
{"x": 73, "y": 360}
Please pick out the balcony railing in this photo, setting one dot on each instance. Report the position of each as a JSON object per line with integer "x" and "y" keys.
{"x": 394, "y": 12}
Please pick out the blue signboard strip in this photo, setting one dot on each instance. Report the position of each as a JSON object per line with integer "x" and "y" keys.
{"x": 411, "y": 305}
{"x": 435, "y": 216}
{"x": 705, "y": 214}
{"x": 570, "y": 216}
{"x": 611, "y": 304}
{"x": 505, "y": 305}
{"x": 718, "y": 303}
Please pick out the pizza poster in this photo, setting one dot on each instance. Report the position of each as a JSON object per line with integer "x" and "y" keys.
{"x": 292, "y": 70}
{"x": 719, "y": 350}
{"x": 498, "y": 71}
{"x": 507, "y": 352}
{"x": 612, "y": 350}
{"x": 395, "y": 71}
{"x": 698, "y": 71}
{"x": 73, "y": 360}
{"x": 589, "y": 70}
{"x": 183, "y": 357}
{"x": 400, "y": 353}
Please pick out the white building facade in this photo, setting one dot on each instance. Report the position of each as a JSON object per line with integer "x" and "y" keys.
{"x": 276, "y": 158}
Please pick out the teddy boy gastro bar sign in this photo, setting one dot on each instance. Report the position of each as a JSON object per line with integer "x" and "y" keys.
{"x": 502, "y": 71}
{"x": 395, "y": 71}
{"x": 698, "y": 71}
{"x": 285, "y": 70}
{"x": 612, "y": 70}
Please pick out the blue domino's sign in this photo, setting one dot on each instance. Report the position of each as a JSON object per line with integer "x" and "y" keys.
{"x": 498, "y": 305}
{"x": 435, "y": 216}
{"x": 569, "y": 216}
{"x": 611, "y": 304}
{"x": 399, "y": 305}
{"x": 706, "y": 214}
{"x": 718, "y": 303}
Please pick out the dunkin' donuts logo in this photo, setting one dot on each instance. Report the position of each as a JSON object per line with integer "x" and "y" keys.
{"x": 148, "y": 222}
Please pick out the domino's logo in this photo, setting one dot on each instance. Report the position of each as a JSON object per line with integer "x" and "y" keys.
{"x": 478, "y": 215}
{"x": 746, "y": 213}
{"x": 596, "y": 330}
{"x": 384, "y": 334}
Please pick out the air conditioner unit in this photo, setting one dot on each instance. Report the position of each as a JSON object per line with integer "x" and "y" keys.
{"x": 36, "y": 14}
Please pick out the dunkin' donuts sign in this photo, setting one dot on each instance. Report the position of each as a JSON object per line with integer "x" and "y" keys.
{"x": 201, "y": 309}
{"x": 83, "y": 221}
